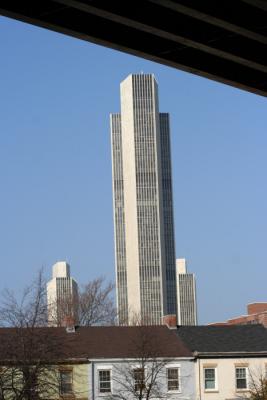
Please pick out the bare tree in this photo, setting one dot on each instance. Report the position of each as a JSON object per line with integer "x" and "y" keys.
{"x": 30, "y": 310}
{"x": 27, "y": 349}
{"x": 257, "y": 385}
{"x": 258, "y": 390}
{"x": 96, "y": 303}
{"x": 63, "y": 311}
{"x": 143, "y": 376}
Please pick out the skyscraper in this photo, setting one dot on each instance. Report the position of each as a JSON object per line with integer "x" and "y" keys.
{"x": 186, "y": 295}
{"x": 143, "y": 205}
{"x": 62, "y": 296}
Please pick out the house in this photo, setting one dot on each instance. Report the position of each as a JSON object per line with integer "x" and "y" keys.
{"x": 126, "y": 360}
{"x": 95, "y": 362}
{"x": 42, "y": 363}
{"x": 123, "y": 362}
{"x": 229, "y": 360}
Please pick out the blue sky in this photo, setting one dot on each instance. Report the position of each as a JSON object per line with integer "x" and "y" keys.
{"x": 55, "y": 168}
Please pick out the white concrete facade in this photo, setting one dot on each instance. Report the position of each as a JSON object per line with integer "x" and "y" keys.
{"x": 143, "y": 208}
{"x": 62, "y": 296}
{"x": 61, "y": 270}
{"x": 186, "y": 294}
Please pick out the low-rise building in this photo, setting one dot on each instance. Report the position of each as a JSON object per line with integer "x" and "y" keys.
{"x": 44, "y": 363}
{"x": 123, "y": 362}
{"x": 229, "y": 360}
{"x": 256, "y": 314}
{"x": 95, "y": 362}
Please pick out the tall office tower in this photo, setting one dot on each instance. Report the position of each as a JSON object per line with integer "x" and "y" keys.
{"x": 186, "y": 295}
{"x": 143, "y": 206}
{"x": 62, "y": 296}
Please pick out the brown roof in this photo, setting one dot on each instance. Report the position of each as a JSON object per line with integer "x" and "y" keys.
{"x": 93, "y": 342}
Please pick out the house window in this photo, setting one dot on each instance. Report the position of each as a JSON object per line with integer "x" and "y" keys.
{"x": 173, "y": 377}
{"x": 210, "y": 379}
{"x": 104, "y": 379}
{"x": 139, "y": 379}
{"x": 241, "y": 378}
{"x": 65, "y": 382}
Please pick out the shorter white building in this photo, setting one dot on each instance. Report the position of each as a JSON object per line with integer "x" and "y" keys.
{"x": 186, "y": 295}
{"x": 229, "y": 360}
{"x": 127, "y": 360}
{"x": 62, "y": 296}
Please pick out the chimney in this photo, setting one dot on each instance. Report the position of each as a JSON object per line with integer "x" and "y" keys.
{"x": 170, "y": 321}
{"x": 68, "y": 323}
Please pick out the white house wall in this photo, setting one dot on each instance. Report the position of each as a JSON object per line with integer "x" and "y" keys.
{"x": 187, "y": 374}
{"x": 226, "y": 385}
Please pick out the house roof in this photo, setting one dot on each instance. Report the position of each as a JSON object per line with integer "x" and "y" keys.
{"x": 225, "y": 339}
{"x": 92, "y": 342}
{"x": 117, "y": 342}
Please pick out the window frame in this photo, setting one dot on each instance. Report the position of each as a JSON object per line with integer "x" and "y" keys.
{"x": 178, "y": 368}
{"x": 104, "y": 368}
{"x": 210, "y": 367}
{"x": 242, "y": 389}
{"x": 65, "y": 371}
{"x": 135, "y": 369}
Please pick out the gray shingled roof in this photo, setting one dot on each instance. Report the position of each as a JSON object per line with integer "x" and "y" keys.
{"x": 227, "y": 338}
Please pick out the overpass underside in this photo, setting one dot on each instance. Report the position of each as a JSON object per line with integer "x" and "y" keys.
{"x": 224, "y": 40}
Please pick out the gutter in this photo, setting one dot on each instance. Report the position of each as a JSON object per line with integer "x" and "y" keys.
{"x": 129, "y": 359}
{"x": 70, "y": 361}
{"x": 93, "y": 379}
{"x": 206, "y": 354}
{"x": 199, "y": 381}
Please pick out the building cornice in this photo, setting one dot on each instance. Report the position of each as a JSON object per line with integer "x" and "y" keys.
{"x": 230, "y": 354}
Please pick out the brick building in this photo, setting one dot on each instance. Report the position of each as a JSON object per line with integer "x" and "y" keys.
{"x": 256, "y": 314}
